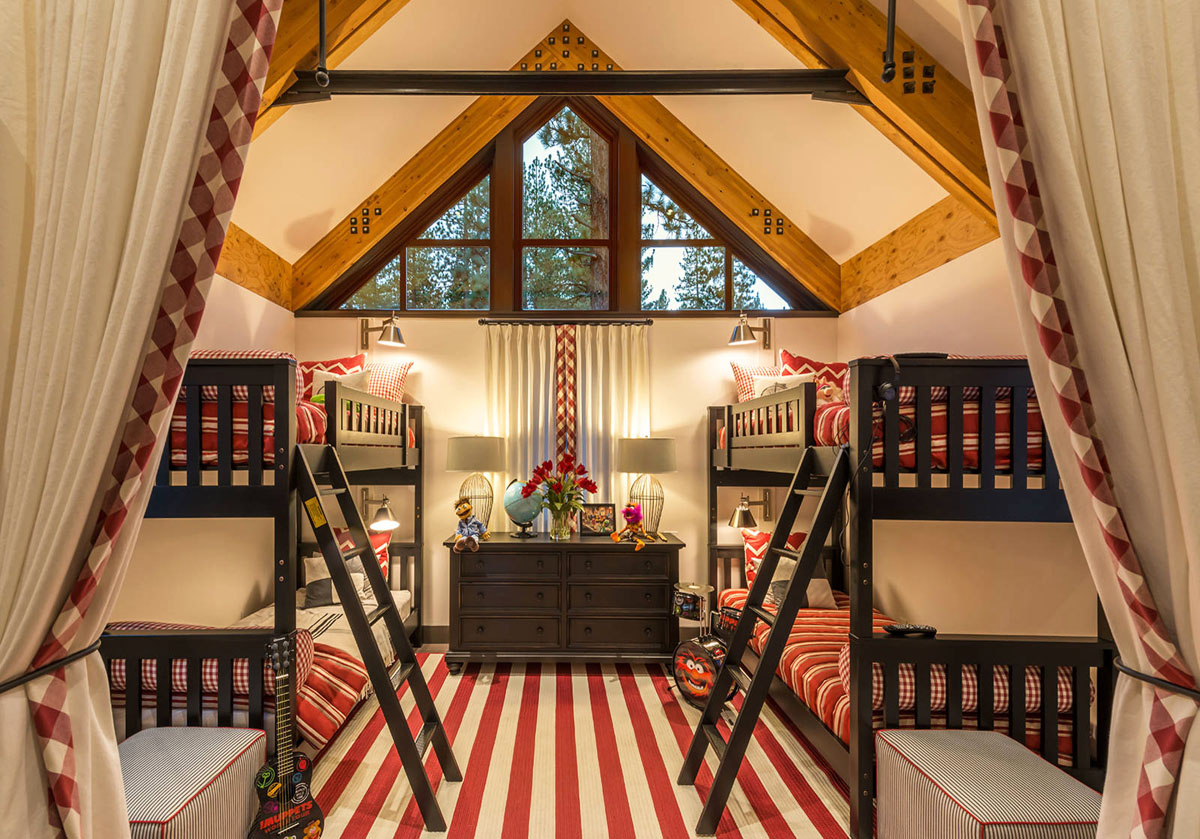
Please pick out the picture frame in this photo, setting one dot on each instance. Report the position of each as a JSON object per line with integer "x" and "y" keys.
{"x": 597, "y": 519}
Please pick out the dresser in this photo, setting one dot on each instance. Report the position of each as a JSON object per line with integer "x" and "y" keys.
{"x": 583, "y": 598}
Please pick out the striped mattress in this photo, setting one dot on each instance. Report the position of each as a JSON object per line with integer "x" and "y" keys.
{"x": 816, "y": 667}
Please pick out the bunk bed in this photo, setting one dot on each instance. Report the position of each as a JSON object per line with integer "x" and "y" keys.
{"x": 230, "y": 455}
{"x": 930, "y": 438}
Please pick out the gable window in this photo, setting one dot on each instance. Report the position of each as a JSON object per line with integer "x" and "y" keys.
{"x": 565, "y": 210}
{"x": 565, "y": 180}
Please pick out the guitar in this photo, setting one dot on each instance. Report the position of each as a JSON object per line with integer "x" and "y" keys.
{"x": 286, "y": 807}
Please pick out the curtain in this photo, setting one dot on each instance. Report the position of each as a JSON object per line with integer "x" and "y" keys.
{"x": 137, "y": 118}
{"x": 576, "y": 388}
{"x": 614, "y": 400}
{"x": 519, "y": 365}
{"x": 1090, "y": 116}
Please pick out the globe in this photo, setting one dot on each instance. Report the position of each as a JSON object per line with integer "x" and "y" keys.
{"x": 521, "y": 510}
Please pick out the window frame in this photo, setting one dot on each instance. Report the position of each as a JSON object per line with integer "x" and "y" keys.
{"x": 629, "y": 159}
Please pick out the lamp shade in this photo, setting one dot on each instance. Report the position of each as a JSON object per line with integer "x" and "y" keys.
{"x": 742, "y": 517}
{"x": 475, "y": 454}
{"x": 384, "y": 519}
{"x": 389, "y": 335}
{"x": 648, "y": 455}
{"x": 743, "y": 333}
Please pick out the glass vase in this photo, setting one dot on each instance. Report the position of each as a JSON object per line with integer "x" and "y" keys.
{"x": 560, "y": 524}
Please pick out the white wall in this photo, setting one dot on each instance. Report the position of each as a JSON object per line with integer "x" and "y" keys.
{"x": 972, "y": 577}
{"x": 206, "y": 571}
{"x": 689, "y": 370}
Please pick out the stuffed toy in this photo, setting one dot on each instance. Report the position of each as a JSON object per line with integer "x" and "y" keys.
{"x": 829, "y": 392}
{"x": 469, "y": 530}
{"x": 634, "y": 530}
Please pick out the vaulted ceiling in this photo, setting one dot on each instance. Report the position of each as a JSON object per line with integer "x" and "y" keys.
{"x": 872, "y": 199}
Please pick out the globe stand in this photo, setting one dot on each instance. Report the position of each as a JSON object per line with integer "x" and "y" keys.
{"x": 526, "y": 530}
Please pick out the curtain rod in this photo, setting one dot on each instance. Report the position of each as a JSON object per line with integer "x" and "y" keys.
{"x": 577, "y": 322}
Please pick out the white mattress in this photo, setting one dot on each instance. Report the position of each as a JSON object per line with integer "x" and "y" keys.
{"x": 328, "y": 624}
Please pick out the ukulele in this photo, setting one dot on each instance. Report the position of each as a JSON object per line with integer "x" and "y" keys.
{"x": 286, "y": 807}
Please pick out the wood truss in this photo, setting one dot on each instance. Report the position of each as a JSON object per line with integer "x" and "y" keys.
{"x": 937, "y": 130}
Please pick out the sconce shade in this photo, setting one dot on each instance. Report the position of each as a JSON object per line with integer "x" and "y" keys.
{"x": 390, "y": 335}
{"x": 647, "y": 455}
{"x": 384, "y": 520}
{"x": 743, "y": 333}
{"x": 742, "y": 517}
{"x": 475, "y": 454}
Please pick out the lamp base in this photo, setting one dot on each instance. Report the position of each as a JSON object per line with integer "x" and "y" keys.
{"x": 648, "y": 492}
{"x": 478, "y": 490}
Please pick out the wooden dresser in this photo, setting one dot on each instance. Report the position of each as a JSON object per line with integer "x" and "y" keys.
{"x": 584, "y": 598}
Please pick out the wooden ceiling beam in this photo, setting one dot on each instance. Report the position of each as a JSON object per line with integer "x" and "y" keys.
{"x": 252, "y": 265}
{"x": 937, "y": 130}
{"x": 348, "y": 24}
{"x": 475, "y": 127}
{"x": 930, "y": 239}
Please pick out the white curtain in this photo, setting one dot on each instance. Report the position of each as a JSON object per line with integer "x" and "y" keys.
{"x": 518, "y": 365}
{"x": 612, "y": 376}
{"x": 614, "y": 400}
{"x": 1100, "y": 102}
{"x": 130, "y": 127}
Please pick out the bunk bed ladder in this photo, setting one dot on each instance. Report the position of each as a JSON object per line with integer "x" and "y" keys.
{"x": 756, "y": 685}
{"x": 411, "y": 750}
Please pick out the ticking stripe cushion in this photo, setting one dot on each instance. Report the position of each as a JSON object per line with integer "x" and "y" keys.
{"x": 191, "y": 782}
{"x": 976, "y": 784}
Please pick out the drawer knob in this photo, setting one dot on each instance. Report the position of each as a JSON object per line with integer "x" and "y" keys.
{"x": 541, "y": 595}
{"x": 587, "y": 595}
{"x": 541, "y": 563}
{"x": 540, "y": 630}
{"x": 587, "y": 630}
{"x": 479, "y": 594}
{"x": 479, "y": 563}
{"x": 479, "y": 630}
{"x": 647, "y": 596}
{"x": 587, "y": 563}
{"x": 647, "y": 631}
{"x": 647, "y": 565}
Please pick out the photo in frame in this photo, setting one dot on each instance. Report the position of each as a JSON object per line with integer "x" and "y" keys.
{"x": 597, "y": 519}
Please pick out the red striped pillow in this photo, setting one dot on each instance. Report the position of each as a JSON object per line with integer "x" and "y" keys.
{"x": 743, "y": 378}
{"x": 337, "y": 366}
{"x": 387, "y": 380}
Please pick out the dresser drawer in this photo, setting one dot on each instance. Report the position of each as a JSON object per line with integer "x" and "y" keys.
{"x": 622, "y": 564}
{"x": 498, "y": 564}
{"x": 524, "y": 597}
{"x": 499, "y": 633}
{"x": 650, "y": 597}
{"x": 617, "y": 633}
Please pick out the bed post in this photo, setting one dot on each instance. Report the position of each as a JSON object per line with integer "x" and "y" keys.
{"x": 418, "y": 576}
{"x": 285, "y": 519}
{"x": 714, "y": 415}
{"x": 862, "y": 764}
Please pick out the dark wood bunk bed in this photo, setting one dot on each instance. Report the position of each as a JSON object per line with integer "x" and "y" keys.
{"x": 759, "y": 443}
{"x": 382, "y": 439}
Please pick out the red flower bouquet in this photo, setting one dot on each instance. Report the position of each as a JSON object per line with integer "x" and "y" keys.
{"x": 562, "y": 491}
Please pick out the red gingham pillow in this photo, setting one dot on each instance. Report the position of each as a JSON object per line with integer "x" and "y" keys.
{"x": 241, "y": 393}
{"x": 743, "y": 378}
{"x": 379, "y": 541}
{"x": 387, "y": 380}
{"x": 337, "y": 366}
{"x": 756, "y": 542}
{"x": 832, "y": 372}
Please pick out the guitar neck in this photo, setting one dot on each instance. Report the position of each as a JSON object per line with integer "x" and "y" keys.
{"x": 284, "y": 758}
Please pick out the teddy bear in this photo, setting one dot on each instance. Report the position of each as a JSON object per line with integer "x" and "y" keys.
{"x": 470, "y": 530}
{"x": 634, "y": 530}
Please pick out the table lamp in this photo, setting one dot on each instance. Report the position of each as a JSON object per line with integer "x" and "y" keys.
{"x": 648, "y": 456}
{"x": 476, "y": 455}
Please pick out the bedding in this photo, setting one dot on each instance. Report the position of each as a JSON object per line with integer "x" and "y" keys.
{"x": 815, "y": 666}
{"x": 338, "y": 366}
{"x": 387, "y": 380}
{"x": 743, "y": 378}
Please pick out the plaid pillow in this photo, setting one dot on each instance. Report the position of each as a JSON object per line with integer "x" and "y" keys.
{"x": 387, "y": 380}
{"x": 743, "y": 378}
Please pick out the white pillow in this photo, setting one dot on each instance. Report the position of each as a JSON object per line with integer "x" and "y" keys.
{"x": 358, "y": 381}
{"x": 763, "y": 385}
{"x": 819, "y": 592}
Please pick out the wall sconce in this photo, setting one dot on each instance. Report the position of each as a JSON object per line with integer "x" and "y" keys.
{"x": 744, "y": 333}
{"x": 742, "y": 517}
{"x": 383, "y": 520}
{"x": 389, "y": 333}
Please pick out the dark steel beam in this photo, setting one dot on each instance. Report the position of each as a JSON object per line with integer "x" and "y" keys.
{"x": 308, "y": 87}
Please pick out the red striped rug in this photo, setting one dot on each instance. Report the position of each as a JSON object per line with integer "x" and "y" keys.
{"x": 570, "y": 750}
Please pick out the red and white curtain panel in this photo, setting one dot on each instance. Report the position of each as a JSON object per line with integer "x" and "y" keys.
{"x": 568, "y": 388}
{"x": 1090, "y": 117}
{"x": 132, "y": 124}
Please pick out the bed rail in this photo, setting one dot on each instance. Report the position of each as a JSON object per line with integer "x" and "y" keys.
{"x": 192, "y": 647}
{"x": 369, "y": 432}
{"x": 783, "y": 418}
{"x": 957, "y": 485}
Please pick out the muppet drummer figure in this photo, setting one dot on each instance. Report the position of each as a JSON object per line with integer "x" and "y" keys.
{"x": 470, "y": 530}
